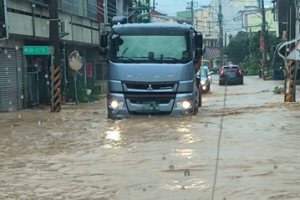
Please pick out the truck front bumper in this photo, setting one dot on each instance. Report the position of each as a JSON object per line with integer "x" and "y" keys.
{"x": 119, "y": 107}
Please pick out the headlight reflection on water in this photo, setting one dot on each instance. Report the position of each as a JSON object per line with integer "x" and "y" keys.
{"x": 114, "y": 134}
{"x": 190, "y": 184}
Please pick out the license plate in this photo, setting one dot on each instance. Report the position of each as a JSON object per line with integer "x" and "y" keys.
{"x": 150, "y": 105}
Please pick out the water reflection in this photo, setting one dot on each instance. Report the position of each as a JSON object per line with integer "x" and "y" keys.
{"x": 183, "y": 130}
{"x": 114, "y": 134}
{"x": 187, "y": 153}
{"x": 189, "y": 139}
{"x": 190, "y": 184}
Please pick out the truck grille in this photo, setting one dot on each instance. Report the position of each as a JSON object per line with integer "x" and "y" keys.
{"x": 135, "y": 97}
{"x": 154, "y": 86}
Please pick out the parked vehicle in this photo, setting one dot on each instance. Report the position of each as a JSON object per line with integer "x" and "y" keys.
{"x": 232, "y": 74}
{"x": 151, "y": 69}
{"x": 205, "y": 81}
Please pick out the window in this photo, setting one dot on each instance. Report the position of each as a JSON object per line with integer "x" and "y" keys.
{"x": 92, "y": 9}
{"x": 67, "y": 5}
{"x": 101, "y": 71}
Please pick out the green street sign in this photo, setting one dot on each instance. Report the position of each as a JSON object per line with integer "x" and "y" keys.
{"x": 37, "y": 50}
{"x": 144, "y": 8}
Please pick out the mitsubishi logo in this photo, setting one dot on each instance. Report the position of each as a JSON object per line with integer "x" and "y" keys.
{"x": 150, "y": 87}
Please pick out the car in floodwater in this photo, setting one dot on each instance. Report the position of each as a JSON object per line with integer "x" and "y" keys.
{"x": 232, "y": 74}
{"x": 205, "y": 79}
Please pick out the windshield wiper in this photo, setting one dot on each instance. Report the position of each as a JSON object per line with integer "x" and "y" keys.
{"x": 176, "y": 59}
{"x": 128, "y": 59}
{"x": 124, "y": 51}
{"x": 160, "y": 61}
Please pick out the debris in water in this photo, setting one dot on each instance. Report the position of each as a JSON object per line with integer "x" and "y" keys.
{"x": 275, "y": 167}
{"x": 20, "y": 116}
{"x": 171, "y": 167}
{"x": 39, "y": 123}
{"x": 187, "y": 172}
{"x": 183, "y": 188}
{"x": 163, "y": 158}
{"x": 144, "y": 190}
{"x": 15, "y": 124}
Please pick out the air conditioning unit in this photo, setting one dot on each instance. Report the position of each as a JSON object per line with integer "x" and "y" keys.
{"x": 64, "y": 27}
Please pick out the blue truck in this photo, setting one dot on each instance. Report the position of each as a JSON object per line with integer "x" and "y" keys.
{"x": 151, "y": 69}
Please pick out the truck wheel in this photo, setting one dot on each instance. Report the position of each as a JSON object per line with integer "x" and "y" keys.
{"x": 200, "y": 98}
{"x": 195, "y": 111}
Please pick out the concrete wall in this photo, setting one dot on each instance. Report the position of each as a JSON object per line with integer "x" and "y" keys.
{"x": 20, "y": 22}
{"x": 254, "y": 20}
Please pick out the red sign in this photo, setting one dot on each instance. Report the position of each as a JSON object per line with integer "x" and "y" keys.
{"x": 89, "y": 70}
{"x": 261, "y": 42}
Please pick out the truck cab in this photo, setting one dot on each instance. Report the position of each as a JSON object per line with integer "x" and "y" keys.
{"x": 151, "y": 69}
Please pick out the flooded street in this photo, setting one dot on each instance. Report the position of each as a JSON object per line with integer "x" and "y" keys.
{"x": 80, "y": 154}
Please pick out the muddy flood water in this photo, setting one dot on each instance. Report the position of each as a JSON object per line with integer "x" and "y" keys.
{"x": 80, "y": 154}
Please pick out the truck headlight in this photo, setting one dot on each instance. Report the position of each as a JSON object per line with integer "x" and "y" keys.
{"x": 202, "y": 82}
{"x": 184, "y": 104}
{"x": 116, "y": 104}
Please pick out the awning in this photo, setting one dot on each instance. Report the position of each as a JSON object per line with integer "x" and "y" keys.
{"x": 211, "y": 52}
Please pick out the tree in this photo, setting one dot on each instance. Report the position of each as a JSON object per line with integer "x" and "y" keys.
{"x": 244, "y": 50}
{"x": 238, "y": 48}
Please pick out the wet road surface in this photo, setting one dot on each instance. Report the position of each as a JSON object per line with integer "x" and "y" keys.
{"x": 79, "y": 154}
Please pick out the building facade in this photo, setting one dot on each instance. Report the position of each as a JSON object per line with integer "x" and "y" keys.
{"x": 253, "y": 21}
{"x": 24, "y": 79}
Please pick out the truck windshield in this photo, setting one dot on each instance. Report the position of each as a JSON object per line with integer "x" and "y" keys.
{"x": 150, "y": 48}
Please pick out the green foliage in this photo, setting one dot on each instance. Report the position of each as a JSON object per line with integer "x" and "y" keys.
{"x": 96, "y": 91}
{"x": 244, "y": 49}
{"x": 82, "y": 95}
{"x": 238, "y": 47}
{"x": 70, "y": 92}
{"x": 278, "y": 90}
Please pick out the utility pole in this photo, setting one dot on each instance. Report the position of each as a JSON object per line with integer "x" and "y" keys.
{"x": 192, "y": 12}
{"x": 263, "y": 27}
{"x": 225, "y": 39}
{"x": 153, "y": 4}
{"x": 220, "y": 19}
{"x": 54, "y": 42}
{"x": 105, "y": 11}
{"x": 191, "y": 7}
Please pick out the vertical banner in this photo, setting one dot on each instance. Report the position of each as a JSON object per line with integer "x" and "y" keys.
{"x": 89, "y": 70}
{"x": 261, "y": 42}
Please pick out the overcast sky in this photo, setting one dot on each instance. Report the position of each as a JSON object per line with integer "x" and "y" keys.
{"x": 170, "y": 7}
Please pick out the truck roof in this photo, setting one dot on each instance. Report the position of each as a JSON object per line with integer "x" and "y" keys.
{"x": 153, "y": 27}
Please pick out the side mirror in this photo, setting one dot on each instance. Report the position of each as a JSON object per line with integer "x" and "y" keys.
{"x": 198, "y": 41}
{"x": 103, "y": 40}
{"x": 198, "y": 52}
{"x": 211, "y": 72}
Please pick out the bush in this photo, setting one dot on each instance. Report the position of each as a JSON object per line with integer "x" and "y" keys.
{"x": 82, "y": 95}
{"x": 96, "y": 91}
{"x": 278, "y": 90}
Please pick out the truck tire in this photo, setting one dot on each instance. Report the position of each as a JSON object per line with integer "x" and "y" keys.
{"x": 200, "y": 98}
